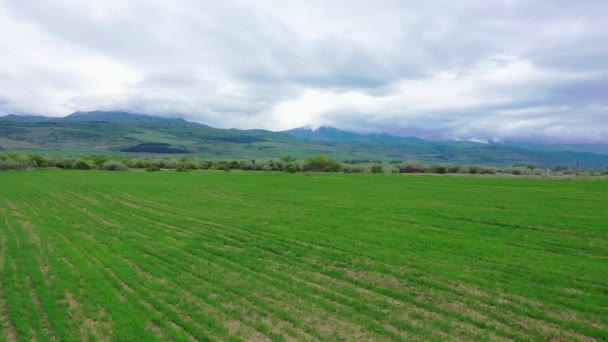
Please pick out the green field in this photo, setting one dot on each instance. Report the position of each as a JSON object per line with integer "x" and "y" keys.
{"x": 247, "y": 256}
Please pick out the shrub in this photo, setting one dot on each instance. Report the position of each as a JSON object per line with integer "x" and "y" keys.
{"x": 522, "y": 166}
{"x": 98, "y": 160}
{"x": 129, "y": 163}
{"x": 221, "y": 165}
{"x": 58, "y": 161}
{"x": 290, "y": 168}
{"x": 36, "y": 160}
{"x": 205, "y": 165}
{"x": 353, "y": 168}
{"x": 9, "y": 164}
{"x": 185, "y": 166}
{"x": 288, "y": 159}
{"x": 169, "y": 164}
{"x": 412, "y": 167}
{"x": 66, "y": 165}
{"x": 273, "y": 165}
{"x": 538, "y": 172}
{"x": 81, "y": 164}
{"x": 518, "y": 170}
{"x": 251, "y": 166}
{"x": 454, "y": 169}
{"x": 235, "y": 165}
{"x": 279, "y": 165}
{"x": 488, "y": 170}
{"x": 440, "y": 169}
{"x": 299, "y": 165}
{"x": 114, "y": 165}
{"x": 152, "y": 168}
{"x": 140, "y": 164}
{"x": 322, "y": 163}
{"x": 377, "y": 169}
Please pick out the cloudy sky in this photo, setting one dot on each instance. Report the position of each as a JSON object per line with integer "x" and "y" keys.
{"x": 489, "y": 70}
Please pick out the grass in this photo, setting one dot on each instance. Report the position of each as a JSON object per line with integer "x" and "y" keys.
{"x": 244, "y": 256}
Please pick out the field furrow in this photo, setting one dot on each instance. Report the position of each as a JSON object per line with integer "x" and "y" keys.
{"x": 261, "y": 256}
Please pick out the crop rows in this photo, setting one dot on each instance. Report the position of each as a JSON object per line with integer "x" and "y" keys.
{"x": 254, "y": 256}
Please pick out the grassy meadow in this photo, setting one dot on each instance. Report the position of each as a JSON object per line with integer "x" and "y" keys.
{"x": 93, "y": 255}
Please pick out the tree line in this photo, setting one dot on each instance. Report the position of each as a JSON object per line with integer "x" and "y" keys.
{"x": 318, "y": 163}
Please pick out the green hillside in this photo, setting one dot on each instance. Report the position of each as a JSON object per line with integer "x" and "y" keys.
{"x": 113, "y": 132}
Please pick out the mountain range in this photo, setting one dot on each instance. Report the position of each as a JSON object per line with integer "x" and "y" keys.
{"x": 115, "y": 132}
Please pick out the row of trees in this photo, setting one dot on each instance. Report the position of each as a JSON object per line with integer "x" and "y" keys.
{"x": 319, "y": 163}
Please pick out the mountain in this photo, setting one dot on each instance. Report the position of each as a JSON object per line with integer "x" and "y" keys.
{"x": 117, "y": 116}
{"x": 583, "y": 148}
{"x": 26, "y": 118}
{"x": 127, "y": 133}
{"x": 114, "y": 131}
{"x": 323, "y": 133}
{"x": 387, "y": 137}
{"x": 332, "y": 134}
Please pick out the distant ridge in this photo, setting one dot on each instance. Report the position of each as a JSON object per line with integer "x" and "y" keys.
{"x": 98, "y": 115}
{"x": 581, "y": 148}
{"x": 27, "y": 118}
{"x": 326, "y": 133}
{"x": 116, "y": 131}
{"x": 332, "y": 134}
{"x": 116, "y": 116}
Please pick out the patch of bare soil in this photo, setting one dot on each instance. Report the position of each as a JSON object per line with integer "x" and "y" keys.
{"x": 100, "y": 327}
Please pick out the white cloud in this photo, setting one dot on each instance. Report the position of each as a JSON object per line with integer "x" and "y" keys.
{"x": 486, "y": 70}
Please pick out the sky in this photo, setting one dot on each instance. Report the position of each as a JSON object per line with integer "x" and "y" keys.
{"x": 487, "y": 70}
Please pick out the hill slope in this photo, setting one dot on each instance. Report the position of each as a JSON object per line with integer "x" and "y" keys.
{"x": 111, "y": 132}
{"x": 323, "y": 133}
